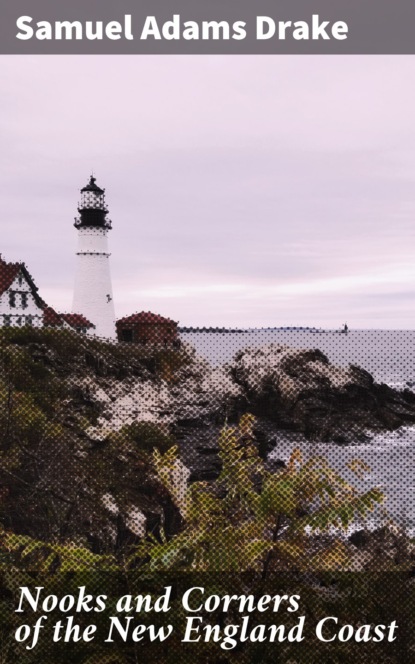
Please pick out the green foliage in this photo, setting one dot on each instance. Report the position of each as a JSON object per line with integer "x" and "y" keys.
{"x": 54, "y": 520}
{"x": 252, "y": 519}
{"x": 249, "y": 519}
{"x": 63, "y": 340}
{"x": 145, "y": 436}
{"x": 168, "y": 362}
{"x": 24, "y": 552}
{"x": 53, "y": 478}
{"x": 64, "y": 352}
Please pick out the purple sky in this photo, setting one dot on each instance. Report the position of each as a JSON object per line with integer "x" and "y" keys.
{"x": 243, "y": 190}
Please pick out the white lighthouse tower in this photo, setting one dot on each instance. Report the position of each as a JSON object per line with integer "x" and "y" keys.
{"x": 93, "y": 291}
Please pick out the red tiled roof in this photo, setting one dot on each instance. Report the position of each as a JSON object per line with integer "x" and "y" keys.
{"x": 51, "y": 318}
{"x": 146, "y": 318}
{"x": 77, "y": 320}
{"x": 8, "y": 273}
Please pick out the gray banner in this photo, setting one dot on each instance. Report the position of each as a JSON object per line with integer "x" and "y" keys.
{"x": 286, "y": 26}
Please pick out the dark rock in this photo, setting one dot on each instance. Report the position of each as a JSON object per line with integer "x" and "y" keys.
{"x": 206, "y": 474}
{"x": 208, "y": 450}
{"x": 301, "y": 391}
{"x": 383, "y": 548}
{"x": 362, "y": 376}
{"x": 193, "y": 423}
{"x": 273, "y": 465}
{"x": 360, "y": 538}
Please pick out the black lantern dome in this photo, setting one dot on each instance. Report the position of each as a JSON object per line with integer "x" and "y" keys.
{"x": 92, "y": 208}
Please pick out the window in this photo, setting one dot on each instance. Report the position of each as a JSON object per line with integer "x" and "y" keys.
{"x": 6, "y": 320}
{"x": 12, "y": 299}
{"x": 29, "y": 320}
{"x": 24, "y": 300}
{"x": 127, "y": 335}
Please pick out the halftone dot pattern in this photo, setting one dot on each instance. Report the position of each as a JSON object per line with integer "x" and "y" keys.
{"x": 245, "y": 462}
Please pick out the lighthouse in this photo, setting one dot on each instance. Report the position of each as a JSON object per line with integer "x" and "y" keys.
{"x": 93, "y": 291}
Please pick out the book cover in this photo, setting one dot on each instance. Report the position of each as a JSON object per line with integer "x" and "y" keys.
{"x": 207, "y": 368}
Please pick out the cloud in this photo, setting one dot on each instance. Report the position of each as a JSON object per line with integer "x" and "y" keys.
{"x": 243, "y": 190}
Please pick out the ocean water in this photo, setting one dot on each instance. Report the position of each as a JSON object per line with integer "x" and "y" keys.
{"x": 389, "y": 355}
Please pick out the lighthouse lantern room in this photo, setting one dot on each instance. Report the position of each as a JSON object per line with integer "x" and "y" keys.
{"x": 93, "y": 290}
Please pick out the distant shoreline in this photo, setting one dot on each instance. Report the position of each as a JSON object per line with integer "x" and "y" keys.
{"x": 229, "y": 330}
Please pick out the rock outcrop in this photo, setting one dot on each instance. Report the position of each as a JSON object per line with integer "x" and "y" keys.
{"x": 71, "y": 405}
{"x": 382, "y": 549}
{"x": 300, "y": 390}
{"x": 198, "y": 397}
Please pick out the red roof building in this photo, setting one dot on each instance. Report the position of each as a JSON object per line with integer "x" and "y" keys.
{"x": 147, "y": 328}
{"x": 76, "y": 322}
{"x": 21, "y": 305}
{"x": 51, "y": 318}
{"x": 8, "y": 273}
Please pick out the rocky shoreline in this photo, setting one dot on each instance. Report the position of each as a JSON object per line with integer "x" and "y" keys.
{"x": 108, "y": 406}
{"x": 288, "y": 390}
{"x": 296, "y": 393}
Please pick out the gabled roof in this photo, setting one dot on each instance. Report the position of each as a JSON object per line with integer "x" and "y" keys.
{"x": 77, "y": 320}
{"x": 9, "y": 272}
{"x": 51, "y": 318}
{"x": 145, "y": 318}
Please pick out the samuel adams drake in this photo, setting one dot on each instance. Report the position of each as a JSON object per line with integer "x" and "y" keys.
{"x": 314, "y": 28}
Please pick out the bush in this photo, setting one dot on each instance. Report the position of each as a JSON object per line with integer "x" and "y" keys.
{"x": 252, "y": 519}
{"x": 145, "y": 436}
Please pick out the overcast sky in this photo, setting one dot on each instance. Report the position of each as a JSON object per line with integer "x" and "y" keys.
{"x": 243, "y": 190}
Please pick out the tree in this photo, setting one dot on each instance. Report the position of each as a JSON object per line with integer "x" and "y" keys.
{"x": 253, "y": 519}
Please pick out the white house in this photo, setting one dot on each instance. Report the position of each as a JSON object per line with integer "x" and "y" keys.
{"x": 21, "y": 305}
